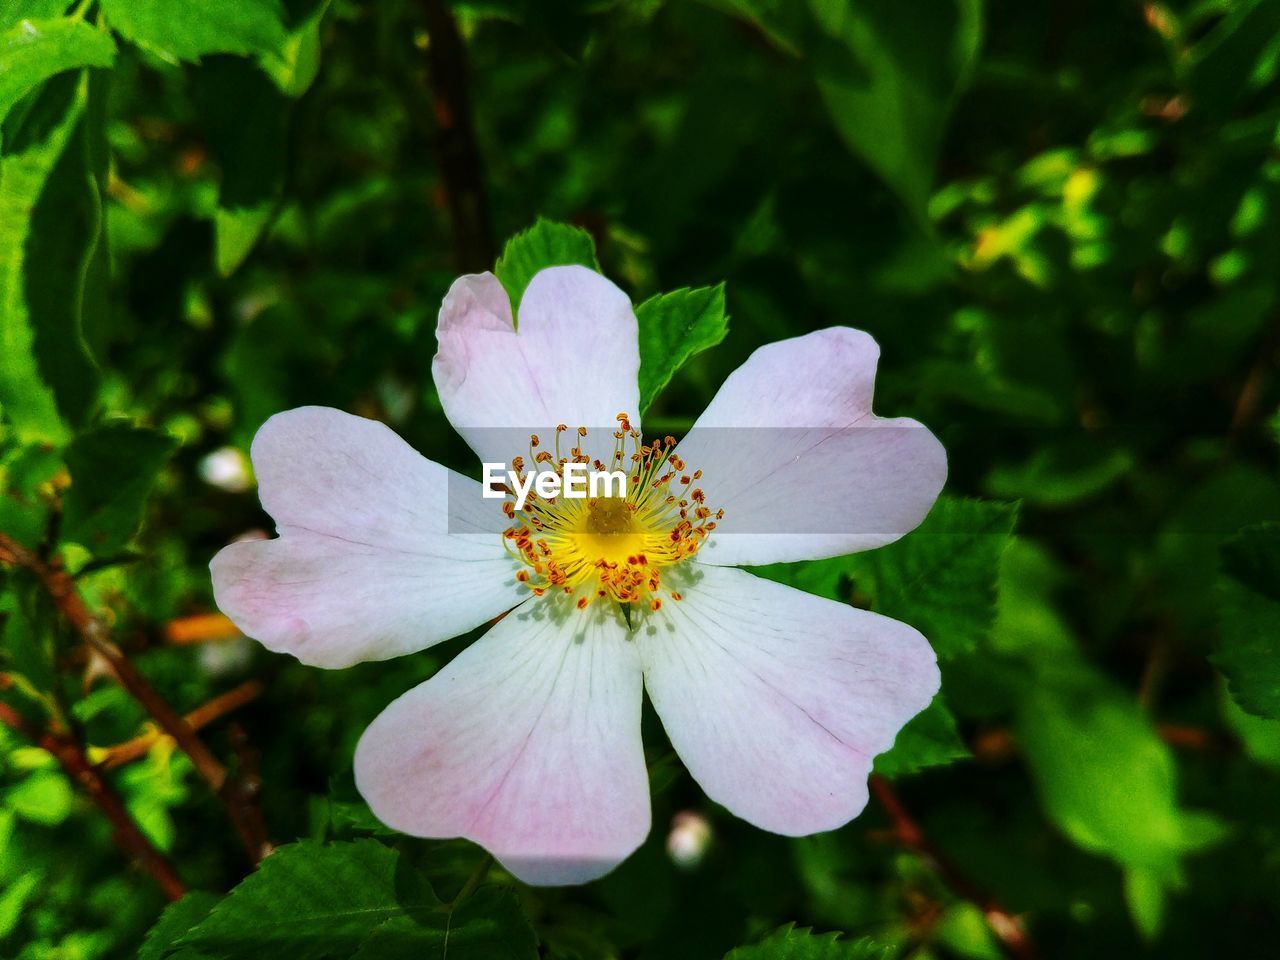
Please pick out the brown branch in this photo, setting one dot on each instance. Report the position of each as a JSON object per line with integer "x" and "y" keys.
{"x": 128, "y": 837}
{"x": 66, "y": 597}
{"x": 201, "y": 716}
{"x": 1007, "y": 928}
{"x": 459, "y": 153}
{"x": 241, "y": 797}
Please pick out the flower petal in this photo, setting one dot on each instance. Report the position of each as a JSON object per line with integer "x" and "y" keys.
{"x": 366, "y": 566}
{"x": 574, "y": 360}
{"x": 777, "y": 700}
{"x": 527, "y": 743}
{"x": 791, "y": 451}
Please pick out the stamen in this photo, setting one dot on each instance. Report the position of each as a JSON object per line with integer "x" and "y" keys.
{"x": 611, "y": 548}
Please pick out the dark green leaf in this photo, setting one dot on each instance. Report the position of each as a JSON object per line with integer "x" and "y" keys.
{"x": 930, "y": 739}
{"x": 32, "y": 51}
{"x": 113, "y": 469}
{"x": 545, "y": 244}
{"x": 176, "y": 30}
{"x": 50, "y": 229}
{"x": 176, "y": 920}
{"x": 1248, "y": 653}
{"x": 801, "y": 943}
{"x": 889, "y": 73}
{"x": 489, "y": 925}
{"x": 941, "y": 577}
{"x": 310, "y": 900}
{"x": 673, "y": 328}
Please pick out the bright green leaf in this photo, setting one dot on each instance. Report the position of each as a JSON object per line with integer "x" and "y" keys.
{"x": 941, "y": 577}
{"x": 113, "y": 469}
{"x": 673, "y": 328}
{"x": 176, "y": 30}
{"x": 44, "y": 797}
{"x": 32, "y": 51}
{"x": 545, "y": 244}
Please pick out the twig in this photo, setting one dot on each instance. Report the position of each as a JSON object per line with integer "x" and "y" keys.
{"x": 66, "y": 597}
{"x": 460, "y": 165}
{"x": 241, "y": 796}
{"x": 473, "y": 882}
{"x": 201, "y": 716}
{"x": 131, "y": 840}
{"x": 1007, "y": 928}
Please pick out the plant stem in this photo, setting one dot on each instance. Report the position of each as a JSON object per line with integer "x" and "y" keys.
{"x": 461, "y": 169}
{"x": 128, "y": 837}
{"x": 62, "y": 589}
{"x": 1008, "y": 929}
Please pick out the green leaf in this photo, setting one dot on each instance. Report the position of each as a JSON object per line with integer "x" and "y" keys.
{"x": 50, "y": 256}
{"x": 545, "y": 244}
{"x": 1248, "y": 652}
{"x": 673, "y": 328}
{"x": 941, "y": 577}
{"x": 1107, "y": 780}
{"x": 176, "y": 30}
{"x": 176, "y": 920}
{"x": 13, "y": 12}
{"x": 246, "y": 122}
{"x": 889, "y": 73}
{"x": 298, "y": 64}
{"x": 113, "y": 468}
{"x": 929, "y": 739}
{"x": 44, "y": 797}
{"x": 310, "y": 900}
{"x": 32, "y": 51}
{"x": 487, "y": 926}
{"x": 801, "y": 943}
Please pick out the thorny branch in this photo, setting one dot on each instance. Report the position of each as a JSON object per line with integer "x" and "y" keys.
{"x": 60, "y": 586}
{"x": 128, "y": 837}
{"x": 1007, "y": 928}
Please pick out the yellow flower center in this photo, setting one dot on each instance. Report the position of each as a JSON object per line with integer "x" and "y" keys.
{"x": 610, "y": 547}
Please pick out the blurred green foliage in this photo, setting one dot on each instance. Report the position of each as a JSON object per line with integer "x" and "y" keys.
{"x": 1061, "y": 221}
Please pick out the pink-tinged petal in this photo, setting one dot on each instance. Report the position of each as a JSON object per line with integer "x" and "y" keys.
{"x": 574, "y": 360}
{"x": 368, "y": 565}
{"x": 777, "y": 700}
{"x": 791, "y": 451}
{"x": 527, "y": 743}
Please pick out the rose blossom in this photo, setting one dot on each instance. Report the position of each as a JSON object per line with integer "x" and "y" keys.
{"x": 528, "y": 742}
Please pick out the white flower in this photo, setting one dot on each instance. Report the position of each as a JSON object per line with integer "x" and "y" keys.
{"x": 528, "y": 742}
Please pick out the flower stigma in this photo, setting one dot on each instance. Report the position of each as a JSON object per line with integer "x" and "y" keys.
{"x": 611, "y": 548}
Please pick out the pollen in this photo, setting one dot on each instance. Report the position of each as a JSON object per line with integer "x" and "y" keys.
{"x": 611, "y": 548}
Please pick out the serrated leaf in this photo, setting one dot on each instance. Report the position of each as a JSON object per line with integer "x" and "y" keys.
{"x": 50, "y": 230}
{"x": 174, "y": 923}
{"x": 673, "y": 328}
{"x": 929, "y": 739}
{"x": 941, "y": 577}
{"x": 801, "y": 943}
{"x": 889, "y": 73}
{"x": 32, "y": 51}
{"x": 1107, "y": 780}
{"x": 545, "y": 244}
{"x": 487, "y": 926}
{"x": 177, "y": 30}
{"x": 113, "y": 469}
{"x": 310, "y": 900}
{"x": 1248, "y": 652}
